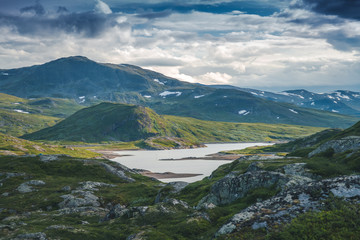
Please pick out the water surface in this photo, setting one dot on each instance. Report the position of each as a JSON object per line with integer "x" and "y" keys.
{"x": 150, "y": 160}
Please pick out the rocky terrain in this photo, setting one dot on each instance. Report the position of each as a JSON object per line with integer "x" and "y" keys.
{"x": 257, "y": 196}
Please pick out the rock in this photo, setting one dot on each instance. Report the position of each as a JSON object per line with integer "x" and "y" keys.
{"x": 93, "y": 186}
{"x": 234, "y": 186}
{"x": 38, "y": 235}
{"x": 83, "y": 211}
{"x": 50, "y": 158}
{"x": 136, "y": 236}
{"x": 291, "y": 202}
{"x": 70, "y": 201}
{"x": 253, "y": 167}
{"x": 5, "y": 194}
{"x": 116, "y": 212}
{"x": 175, "y": 202}
{"x": 175, "y": 188}
{"x": 298, "y": 169}
{"x": 57, "y": 227}
{"x": 66, "y": 189}
{"x": 118, "y": 171}
{"x": 339, "y": 146}
{"x": 25, "y": 188}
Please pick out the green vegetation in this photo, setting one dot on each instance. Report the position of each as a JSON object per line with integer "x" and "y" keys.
{"x": 14, "y": 146}
{"x": 339, "y": 220}
{"x": 54, "y": 107}
{"x": 17, "y": 124}
{"x": 121, "y": 122}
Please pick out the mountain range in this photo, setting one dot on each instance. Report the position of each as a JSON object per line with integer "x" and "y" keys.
{"x": 88, "y": 82}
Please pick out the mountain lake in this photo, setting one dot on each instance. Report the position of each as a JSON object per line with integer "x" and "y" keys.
{"x": 153, "y": 160}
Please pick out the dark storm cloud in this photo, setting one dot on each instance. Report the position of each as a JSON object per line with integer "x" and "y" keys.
{"x": 342, "y": 8}
{"x": 62, "y": 9}
{"x": 89, "y": 24}
{"x": 38, "y": 9}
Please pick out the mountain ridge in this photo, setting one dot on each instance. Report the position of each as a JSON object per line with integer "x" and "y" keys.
{"x": 88, "y": 82}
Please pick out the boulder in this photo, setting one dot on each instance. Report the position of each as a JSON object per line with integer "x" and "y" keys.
{"x": 234, "y": 186}
{"x": 25, "y": 188}
{"x": 291, "y": 202}
{"x": 339, "y": 145}
{"x": 37, "y": 236}
{"x": 118, "y": 171}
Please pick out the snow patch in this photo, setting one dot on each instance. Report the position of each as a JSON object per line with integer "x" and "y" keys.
{"x": 82, "y": 99}
{"x": 158, "y": 81}
{"x": 225, "y": 96}
{"x": 243, "y": 112}
{"x": 4, "y": 74}
{"x": 20, "y": 111}
{"x": 330, "y": 97}
{"x": 277, "y": 117}
{"x": 334, "y": 111}
{"x": 166, "y": 93}
{"x": 335, "y": 102}
{"x": 342, "y": 96}
{"x": 254, "y": 93}
{"x": 200, "y": 96}
{"x": 16, "y": 103}
{"x": 291, "y": 94}
{"x": 292, "y": 110}
{"x": 356, "y": 95}
{"x": 312, "y": 104}
{"x": 147, "y": 96}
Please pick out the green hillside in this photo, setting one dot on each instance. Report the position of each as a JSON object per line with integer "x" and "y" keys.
{"x": 55, "y": 107}
{"x": 121, "y": 122}
{"x": 14, "y": 146}
{"x": 16, "y": 124}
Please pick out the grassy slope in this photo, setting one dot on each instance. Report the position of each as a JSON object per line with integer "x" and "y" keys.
{"x": 17, "y": 124}
{"x": 14, "y": 146}
{"x": 121, "y": 122}
{"x": 55, "y": 107}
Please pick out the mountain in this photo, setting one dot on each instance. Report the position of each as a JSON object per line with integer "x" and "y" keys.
{"x": 122, "y": 122}
{"x": 88, "y": 82}
{"x": 340, "y": 101}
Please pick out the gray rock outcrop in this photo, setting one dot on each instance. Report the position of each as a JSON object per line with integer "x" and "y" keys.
{"x": 119, "y": 171}
{"x": 339, "y": 146}
{"x": 25, "y": 187}
{"x": 234, "y": 186}
{"x": 288, "y": 204}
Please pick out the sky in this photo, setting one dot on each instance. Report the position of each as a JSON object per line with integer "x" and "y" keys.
{"x": 271, "y": 45}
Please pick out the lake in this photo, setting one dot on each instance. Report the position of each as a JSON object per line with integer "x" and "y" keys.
{"x": 150, "y": 160}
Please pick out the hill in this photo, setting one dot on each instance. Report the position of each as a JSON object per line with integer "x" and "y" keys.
{"x": 122, "y": 122}
{"x": 10, "y": 145}
{"x": 88, "y": 82}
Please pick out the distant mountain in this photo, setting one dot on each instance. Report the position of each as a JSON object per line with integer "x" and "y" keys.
{"x": 122, "y": 122}
{"x": 340, "y": 101}
{"x": 88, "y": 82}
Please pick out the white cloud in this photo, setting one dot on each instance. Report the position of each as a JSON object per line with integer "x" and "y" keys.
{"x": 242, "y": 49}
{"x": 102, "y": 7}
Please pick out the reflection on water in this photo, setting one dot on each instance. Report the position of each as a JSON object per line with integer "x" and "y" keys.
{"x": 149, "y": 160}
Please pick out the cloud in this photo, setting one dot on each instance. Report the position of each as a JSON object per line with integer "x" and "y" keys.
{"x": 342, "y": 8}
{"x": 152, "y": 15}
{"x": 102, "y": 7}
{"x": 36, "y": 9}
{"x": 296, "y": 47}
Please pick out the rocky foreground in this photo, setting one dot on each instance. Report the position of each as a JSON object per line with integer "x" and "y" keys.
{"x": 58, "y": 197}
